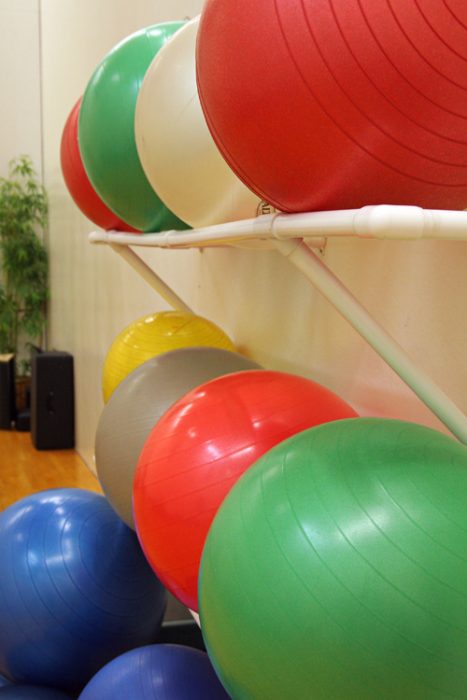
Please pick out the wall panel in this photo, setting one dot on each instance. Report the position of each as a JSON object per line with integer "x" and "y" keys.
{"x": 417, "y": 290}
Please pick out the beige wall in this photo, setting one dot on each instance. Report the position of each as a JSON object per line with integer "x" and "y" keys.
{"x": 20, "y": 121}
{"x": 417, "y": 290}
{"x": 94, "y": 295}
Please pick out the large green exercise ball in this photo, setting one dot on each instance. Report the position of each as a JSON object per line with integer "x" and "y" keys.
{"x": 137, "y": 404}
{"x": 106, "y": 131}
{"x": 336, "y": 568}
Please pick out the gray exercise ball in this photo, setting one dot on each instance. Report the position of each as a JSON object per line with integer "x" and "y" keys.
{"x": 137, "y": 404}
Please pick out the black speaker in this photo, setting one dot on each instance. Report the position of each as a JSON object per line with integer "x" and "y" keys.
{"x": 7, "y": 391}
{"x": 23, "y": 421}
{"x": 52, "y": 401}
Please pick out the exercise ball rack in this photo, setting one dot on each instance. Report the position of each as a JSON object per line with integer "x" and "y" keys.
{"x": 297, "y": 237}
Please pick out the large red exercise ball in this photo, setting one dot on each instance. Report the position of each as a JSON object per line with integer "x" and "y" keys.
{"x": 153, "y": 335}
{"x": 336, "y": 568}
{"x": 176, "y": 149}
{"x": 136, "y": 405}
{"x": 106, "y": 131}
{"x": 75, "y": 589}
{"x": 336, "y": 104}
{"x": 157, "y": 672}
{"x": 200, "y": 447}
{"x": 77, "y": 181}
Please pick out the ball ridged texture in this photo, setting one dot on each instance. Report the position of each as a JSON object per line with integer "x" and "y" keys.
{"x": 77, "y": 181}
{"x": 337, "y": 104}
{"x": 198, "y": 450}
{"x": 139, "y": 402}
{"x": 153, "y": 335}
{"x": 159, "y": 672}
{"x": 75, "y": 589}
{"x": 106, "y": 131}
{"x": 336, "y": 568}
{"x": 176, "y": 149}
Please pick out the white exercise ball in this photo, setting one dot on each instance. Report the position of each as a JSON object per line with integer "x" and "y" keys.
{"x": 175, "y": 147}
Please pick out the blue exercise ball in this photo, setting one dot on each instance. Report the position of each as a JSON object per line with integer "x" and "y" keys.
{"x": 157, "y": 672}
{"x": 75, "y": 589}
{"x": 31, "y": 692}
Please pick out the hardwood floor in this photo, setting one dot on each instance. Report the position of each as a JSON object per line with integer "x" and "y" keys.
{"x": 25, "y": 470}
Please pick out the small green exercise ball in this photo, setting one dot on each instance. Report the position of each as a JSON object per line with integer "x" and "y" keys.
{"x": 106, "y": 131}
{"x": 336, "y": 568}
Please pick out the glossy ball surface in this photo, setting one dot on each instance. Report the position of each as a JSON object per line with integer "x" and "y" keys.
{"x": 159, "y": 672}
{"x": 176, "y": 149}
{"x": 337, "y": 104}
{"x": 198, "y": 450}
{"x": 75, "y": 589}
{"x": 106, "y": 131}
{"x": 336, "y": 568}
{"x": 139, "y": 402}
{"x": 153, "y": 335}
{"x": 79, "y": 186}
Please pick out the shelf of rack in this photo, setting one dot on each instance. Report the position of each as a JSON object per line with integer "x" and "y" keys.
{"x": 294, "y": 236}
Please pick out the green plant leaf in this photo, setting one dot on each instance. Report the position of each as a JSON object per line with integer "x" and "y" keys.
{"x": 23, "y": 257}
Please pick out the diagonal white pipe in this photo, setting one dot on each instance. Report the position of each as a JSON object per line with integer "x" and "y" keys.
{"x": 344, "y": 301}
{"x": 151, "y": 278}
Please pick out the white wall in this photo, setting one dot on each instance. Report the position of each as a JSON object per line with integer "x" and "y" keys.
{"x": 20, "y": 131}
{"x": 93, "y": 294}
{"x": 417, "y": 290}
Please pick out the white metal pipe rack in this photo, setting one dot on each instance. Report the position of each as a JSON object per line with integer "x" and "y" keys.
{"x": 293, "y": 235}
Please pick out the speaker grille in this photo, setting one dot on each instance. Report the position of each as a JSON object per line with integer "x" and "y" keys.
{"x": 7, "y": 391}
{"x": 52, "y": 401}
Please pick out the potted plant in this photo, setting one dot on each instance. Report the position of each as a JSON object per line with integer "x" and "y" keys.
{"x": 23, "y": 263}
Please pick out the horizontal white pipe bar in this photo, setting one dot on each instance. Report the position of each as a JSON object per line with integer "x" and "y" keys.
{"x": 383, "y": 221}
{"x": 344, "y": 301}
{"x": 150, "y": 277}
{"x": 259, "y": 228}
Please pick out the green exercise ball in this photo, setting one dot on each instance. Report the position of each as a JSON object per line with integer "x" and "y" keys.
{"x": 336, "y": 568}
{"x": 106, "y": 131}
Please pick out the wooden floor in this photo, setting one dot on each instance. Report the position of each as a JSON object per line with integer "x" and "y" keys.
{"x": 25, "y": 470}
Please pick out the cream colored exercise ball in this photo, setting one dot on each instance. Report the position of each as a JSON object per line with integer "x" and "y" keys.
{"x": 137, "y": 404}
{"x": 175, "y": 147}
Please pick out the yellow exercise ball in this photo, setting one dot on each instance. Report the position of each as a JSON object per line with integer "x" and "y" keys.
{"x": 152, "y": 335}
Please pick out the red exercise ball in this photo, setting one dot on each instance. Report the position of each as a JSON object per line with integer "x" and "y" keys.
{"x": 198, "y": 450}
{"x": 78, "y": 183}
{"x": 336, "y": 104}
